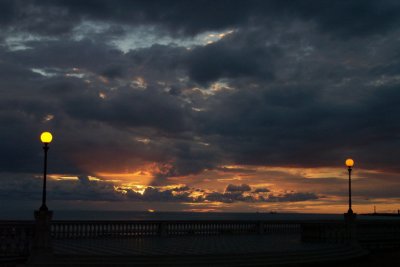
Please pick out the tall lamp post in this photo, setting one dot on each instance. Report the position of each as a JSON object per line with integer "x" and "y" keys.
{"x": 46, "y": 139}
{"x": 41, "y": 246}
{"x": 350, "y": 164}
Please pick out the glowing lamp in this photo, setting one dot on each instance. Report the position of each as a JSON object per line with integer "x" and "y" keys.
{"x": 46, "y": 137}
{"x": 349, "y": 163}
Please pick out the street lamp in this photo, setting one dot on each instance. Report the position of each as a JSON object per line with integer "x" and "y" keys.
{"x": 349, "y": 164}
{"x": 46, "y": 138}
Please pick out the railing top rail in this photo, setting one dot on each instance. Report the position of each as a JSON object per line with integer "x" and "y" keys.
{"x": 16, "y": 222}
{"x": 386, "y": 221}
{"x": 198, "y": 221}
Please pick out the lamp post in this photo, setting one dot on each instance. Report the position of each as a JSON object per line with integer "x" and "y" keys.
{"x": 41, "y": 246}
{"x": 350, "y": 164}
{"x": 46, "y": 139}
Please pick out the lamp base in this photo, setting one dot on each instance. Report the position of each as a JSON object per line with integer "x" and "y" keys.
{"x": 41, "y": 248}
{"x": 350, "y": 216}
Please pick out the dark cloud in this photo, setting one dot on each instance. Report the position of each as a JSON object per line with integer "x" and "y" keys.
{"x": 292, "y": 197}
{"x": 27, "y": 187}
{"x": 8, "y": 11}
{"x": 238, "y": 193}
{"x": 293, "y": 84}
{"x": 234, "y": 57}
{"x": 131, "y": 109}
{"x": 181, "y": 17}
{"x": 237, "y": 188}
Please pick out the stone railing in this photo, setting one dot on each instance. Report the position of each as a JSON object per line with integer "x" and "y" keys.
{"x": 378, "y": 234}
{"x": 371, "y": 234}
{"x": 328, "y": 231}
{"x": 96, "y": 229}
{"x": 15, "y": 238}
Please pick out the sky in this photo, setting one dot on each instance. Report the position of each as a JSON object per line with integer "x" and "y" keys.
{"x": 220, "y": 106}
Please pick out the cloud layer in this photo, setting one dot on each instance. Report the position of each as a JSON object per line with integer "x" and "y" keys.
{"x": 180, "y": 89}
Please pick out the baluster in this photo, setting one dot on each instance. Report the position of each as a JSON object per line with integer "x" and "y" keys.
{"x": 62, "y": 230}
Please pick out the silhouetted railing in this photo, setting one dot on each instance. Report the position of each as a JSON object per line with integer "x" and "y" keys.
{"x": 379, "y": 234}
{"x": 336, "y": 232}
{"x": 15, "y": 238}
{"x": 95, "y": 229}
